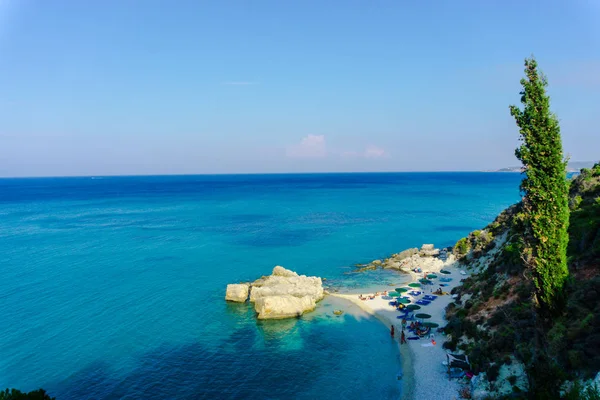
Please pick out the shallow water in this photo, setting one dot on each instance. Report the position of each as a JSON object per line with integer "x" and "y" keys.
{"x": 113, "y": 287}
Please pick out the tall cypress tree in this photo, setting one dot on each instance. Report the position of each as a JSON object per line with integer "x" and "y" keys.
{"x": 545, "y": 202}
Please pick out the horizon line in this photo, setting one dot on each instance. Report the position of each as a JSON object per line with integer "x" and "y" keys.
{"x": 254, "y": 173}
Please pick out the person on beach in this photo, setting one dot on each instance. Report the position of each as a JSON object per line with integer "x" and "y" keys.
{"x": 402, "y": 337}
{"x": 392, "y": 331}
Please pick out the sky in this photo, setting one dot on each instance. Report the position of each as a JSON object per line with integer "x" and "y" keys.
{"x": 199, "y": 87}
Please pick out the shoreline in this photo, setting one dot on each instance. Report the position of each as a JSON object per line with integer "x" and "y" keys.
{"x": 423, "y": 374}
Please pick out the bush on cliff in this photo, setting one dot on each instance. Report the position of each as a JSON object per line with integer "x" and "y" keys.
{"x": 14, "y": 394}
{"x": 545, "y": 213}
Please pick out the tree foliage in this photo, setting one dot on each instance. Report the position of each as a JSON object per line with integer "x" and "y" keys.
{"x": 545, "y": 213}
{"x": 14, "y": 394}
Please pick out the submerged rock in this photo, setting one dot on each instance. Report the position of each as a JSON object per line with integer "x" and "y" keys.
{"x": 284, "y": 294}
{"x": 237, "y": 292}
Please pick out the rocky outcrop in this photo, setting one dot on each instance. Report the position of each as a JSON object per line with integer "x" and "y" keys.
{"x": 426, "y": 258}
{"x": 283, "y": 306}
{"x": 428, "y": 250}
{"x": 405, "y": 254}
{"x": 283, "y": 294}
{"x": 237, "y": 292}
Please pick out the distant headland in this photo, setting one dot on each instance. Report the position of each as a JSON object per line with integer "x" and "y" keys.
{"x": 574, "y": 166}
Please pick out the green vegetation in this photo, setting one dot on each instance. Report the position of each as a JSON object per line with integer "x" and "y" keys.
{"x": 14, "y": 394}
{"x": 462, "y": 247}
{"x": 584, "y": 228}
{"x": 580, "y": 392}
{"x": 545, "y": 213}
{"x": 501, "y": 321}
{"x": 476, "y": 242}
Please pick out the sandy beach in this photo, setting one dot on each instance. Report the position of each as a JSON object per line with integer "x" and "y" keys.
{"x": 425, "y": 377}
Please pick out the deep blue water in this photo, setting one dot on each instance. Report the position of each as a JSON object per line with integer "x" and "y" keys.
{"x": 113, "y": 287}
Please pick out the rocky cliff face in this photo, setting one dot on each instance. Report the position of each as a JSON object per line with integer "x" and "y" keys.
{"x": 283, "y": 294}
{"x": 514, "y": 347}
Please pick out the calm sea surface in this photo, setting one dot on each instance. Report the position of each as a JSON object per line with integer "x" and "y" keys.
{"x": 113, "y": 288}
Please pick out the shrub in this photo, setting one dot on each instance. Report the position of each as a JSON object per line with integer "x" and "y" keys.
{"x": 575, "y": 202}
{"x": 462, "y": 247}
{"x": 14, "y": 394}
{"x": 576, "y": 358}
{"x": 580, "y": 392}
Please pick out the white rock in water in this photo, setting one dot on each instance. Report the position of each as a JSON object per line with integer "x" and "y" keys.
{"x": 284, "y": 306}
{"x": 280, "y": 271}
{"x": 237, "y": 292}
{"x": 284, "y": 294}
{"x": 427, "y": 250}
{"x": 297, "y": 286}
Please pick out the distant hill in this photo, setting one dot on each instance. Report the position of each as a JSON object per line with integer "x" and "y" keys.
{"x": 573, "y": 166}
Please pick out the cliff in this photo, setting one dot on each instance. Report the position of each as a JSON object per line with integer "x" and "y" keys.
{"x": 516, "y": 350}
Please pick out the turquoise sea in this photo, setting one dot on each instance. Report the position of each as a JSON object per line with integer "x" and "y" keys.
{"x": 113, "y": 287}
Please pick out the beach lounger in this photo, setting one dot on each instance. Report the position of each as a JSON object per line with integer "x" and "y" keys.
{"x": 429, "y": 297}
{"x": 423, "y": 302}
{"x": 414, "y": 293}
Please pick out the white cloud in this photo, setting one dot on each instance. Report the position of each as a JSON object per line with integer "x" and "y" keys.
{"x": 311, "y": 146}
{"x": 374, "y": 152}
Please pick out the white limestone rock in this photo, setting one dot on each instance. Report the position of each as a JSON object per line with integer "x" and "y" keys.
{"x": 428, "y": 250}
{"x": 286, "y": 282}
{"x": 280, "y": 271}
{"x": 283, "y": 306}
{"x": 237, "y": 292}
{"x": 284, "y": 294}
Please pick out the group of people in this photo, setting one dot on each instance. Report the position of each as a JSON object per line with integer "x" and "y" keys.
{"x": 418, "y": 329}
{"x": 402, "y": 335}
{"x": 372, "y": 296}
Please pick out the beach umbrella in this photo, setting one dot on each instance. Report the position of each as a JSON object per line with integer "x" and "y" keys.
{"x": 425, "y": 281}
{"x": 445, "y": 272}
{"x": 401, "y": 290}
{"x": 422, "y": 316}
{"x": 413, "y": 307}
{"x": 414, "y": 284}
{"x": 430, "y": 324}
{"x": 445, "y": 279}
{"x": 403, "y": 300}
{"x": 394, "y": 294}
{"x": 432, "y": 276}
{"x": 407, "y": 288}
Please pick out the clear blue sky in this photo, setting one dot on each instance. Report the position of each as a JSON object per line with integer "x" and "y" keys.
{"x": 152, "y": 87}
